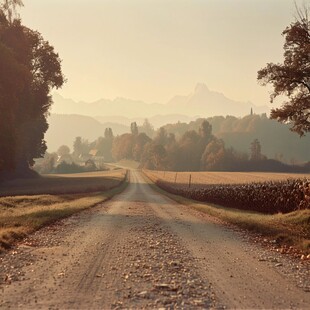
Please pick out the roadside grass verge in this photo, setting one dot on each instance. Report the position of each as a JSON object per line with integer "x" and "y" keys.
{"x": 290, "y": 229}
{"x": 22, "y": 215}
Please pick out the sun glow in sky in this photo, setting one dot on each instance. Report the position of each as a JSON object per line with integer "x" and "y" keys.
{"x": 155, "y": 49}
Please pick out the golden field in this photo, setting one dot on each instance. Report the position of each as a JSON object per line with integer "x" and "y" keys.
{"x": 63, "y": 183}
{"x": 29, "y": 204}
{"x": 199, "y": 179}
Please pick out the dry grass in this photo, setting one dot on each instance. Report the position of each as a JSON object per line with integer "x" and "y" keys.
{"x": 23, "y": 214}
{"x": 199, "y": 179}
{"x": 290, "y": 229}
{"x": 63, "y": 183}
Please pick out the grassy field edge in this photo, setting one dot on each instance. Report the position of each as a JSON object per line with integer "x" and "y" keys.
{"x": 287, "y": 230}
{"x": 43, "y": 214}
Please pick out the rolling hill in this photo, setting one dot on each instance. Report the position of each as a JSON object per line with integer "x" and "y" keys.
{"x": 63, "y": 129}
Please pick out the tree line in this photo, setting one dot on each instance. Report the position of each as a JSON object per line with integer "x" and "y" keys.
{"x": 277, "y": 141}
{"x": 195, "y": 150}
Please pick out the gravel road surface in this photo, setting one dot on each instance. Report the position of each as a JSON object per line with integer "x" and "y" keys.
{"x": 143, "y": 250}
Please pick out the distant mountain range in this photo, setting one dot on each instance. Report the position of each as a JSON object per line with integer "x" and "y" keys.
{"x": 209, "y": 103}
{"x": 202, "y": 102}
{"x": 70, "y": 119}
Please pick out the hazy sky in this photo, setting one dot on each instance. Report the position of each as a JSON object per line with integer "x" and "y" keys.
{"x": 154, "y": 49}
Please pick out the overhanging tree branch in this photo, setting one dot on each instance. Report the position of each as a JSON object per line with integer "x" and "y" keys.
{"x": 292, "y": 77}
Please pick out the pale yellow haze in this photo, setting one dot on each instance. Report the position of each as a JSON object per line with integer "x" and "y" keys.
{"x": 153, "y": 50}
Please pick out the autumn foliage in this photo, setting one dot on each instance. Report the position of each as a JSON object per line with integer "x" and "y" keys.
{"x": 292, "y": 78}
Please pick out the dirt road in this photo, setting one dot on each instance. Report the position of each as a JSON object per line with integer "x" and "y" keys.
{"x": 142, "y": 250}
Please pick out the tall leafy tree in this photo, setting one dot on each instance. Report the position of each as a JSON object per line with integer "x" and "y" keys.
{"x": 30, "y": 69}
{"x": 140, "y": 141}
{"x": 292, "y": 78}
{"x": 134, "y": 128}
{"x": 13, "y": 79}
{"x": 122, "y": 146}
{"x": 256, "y": 150}
{"x": 213, "y": 155}
{"x": 190, "y": 151}
{"x": 63, "y": 150}
{"x": 108, "y": 133}
{"x": 154, "y": 157}
{"x": 205, "y": 131}
{"x": 161, "y": 136}
{"x": 104, "y": 145}
{"x": 147, "y": 128}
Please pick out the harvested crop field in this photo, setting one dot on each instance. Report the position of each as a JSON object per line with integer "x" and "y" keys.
{"x": 266, "y": 193}
{"x": 200, "y": 179}
{"x": 63, "y": 183}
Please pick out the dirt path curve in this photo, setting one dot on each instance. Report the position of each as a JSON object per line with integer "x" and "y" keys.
{"x": 142, "y": 250}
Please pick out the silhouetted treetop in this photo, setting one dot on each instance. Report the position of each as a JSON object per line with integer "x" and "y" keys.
{"x": 134, "y": 128}
{"x": 29, "y": 69}
{"x": 292, "y": 78}
{"x": 8, "y": 7}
